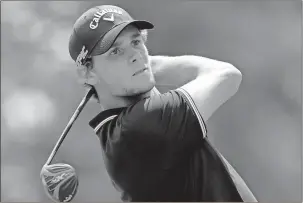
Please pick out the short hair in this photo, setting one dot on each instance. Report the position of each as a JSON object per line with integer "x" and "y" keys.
{"x": 144, "y": 34}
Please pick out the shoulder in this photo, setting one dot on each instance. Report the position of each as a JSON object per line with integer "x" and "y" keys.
{"x": 155, "y": 111}
{"x": 155, "y": 104}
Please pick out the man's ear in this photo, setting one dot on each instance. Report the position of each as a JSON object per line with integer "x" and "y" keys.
{"x": 86, "y": 74}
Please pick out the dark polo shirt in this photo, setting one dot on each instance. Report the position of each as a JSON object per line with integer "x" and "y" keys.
{"x": 157, "y": 150}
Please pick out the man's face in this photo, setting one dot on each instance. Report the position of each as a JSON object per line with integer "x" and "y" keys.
{"x": 125, "y": 67}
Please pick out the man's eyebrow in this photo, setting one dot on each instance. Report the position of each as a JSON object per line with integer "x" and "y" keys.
{"x": 117, "y": 43}
{"x": 136, "y": 35}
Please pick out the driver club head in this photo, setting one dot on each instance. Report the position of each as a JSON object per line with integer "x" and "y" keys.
{"x": 60, "y": 182}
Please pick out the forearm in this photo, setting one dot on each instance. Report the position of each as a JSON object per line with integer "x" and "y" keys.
{"x": 178, "y": 71}
{"x": 213, "y": 88}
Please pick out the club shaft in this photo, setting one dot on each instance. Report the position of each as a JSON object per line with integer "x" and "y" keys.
{"x": 70, "y": 123}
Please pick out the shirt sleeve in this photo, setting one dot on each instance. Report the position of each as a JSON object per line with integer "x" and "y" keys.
{"x": 164, "y": 126}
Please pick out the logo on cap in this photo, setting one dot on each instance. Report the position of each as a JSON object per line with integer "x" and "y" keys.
{"x": 112, "y": 19}
{"x": 95, "y": 22}
{"x": 81, "y": 56}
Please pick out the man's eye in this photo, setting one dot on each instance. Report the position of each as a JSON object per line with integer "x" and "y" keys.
{"x": 115, "y": 51}
{"x": 136, "y": 42}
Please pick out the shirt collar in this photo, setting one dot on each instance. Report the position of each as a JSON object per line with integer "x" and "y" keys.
{"x": 104, "y": 115}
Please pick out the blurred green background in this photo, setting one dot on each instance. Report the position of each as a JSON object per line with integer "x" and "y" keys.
{"x": 258, "y": 130}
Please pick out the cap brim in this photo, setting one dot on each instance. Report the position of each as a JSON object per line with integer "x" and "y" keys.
{"x": 110, "y": 37}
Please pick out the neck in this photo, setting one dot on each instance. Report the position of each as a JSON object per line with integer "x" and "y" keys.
{"x": 109, "y": 101}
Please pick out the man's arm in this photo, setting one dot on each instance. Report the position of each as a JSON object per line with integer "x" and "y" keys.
{"x": 210, "y": 83}
{"x": 172, "y": 72}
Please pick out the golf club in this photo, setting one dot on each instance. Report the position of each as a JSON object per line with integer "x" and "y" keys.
{"x": 59, "y": 180}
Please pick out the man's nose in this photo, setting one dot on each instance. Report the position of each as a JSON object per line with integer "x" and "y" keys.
{"x": 135, "y": 57}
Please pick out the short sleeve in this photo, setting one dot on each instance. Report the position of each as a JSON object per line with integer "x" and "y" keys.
{"x": 164, "y": 126}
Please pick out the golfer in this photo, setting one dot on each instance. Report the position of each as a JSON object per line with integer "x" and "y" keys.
{"x": 154, "y": 111}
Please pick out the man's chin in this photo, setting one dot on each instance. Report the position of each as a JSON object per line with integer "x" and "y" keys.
{"x": 142, "y": 92}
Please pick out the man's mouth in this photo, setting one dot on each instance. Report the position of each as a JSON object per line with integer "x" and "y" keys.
{"x": 140, "y": 71}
